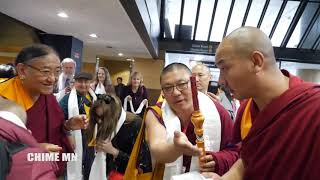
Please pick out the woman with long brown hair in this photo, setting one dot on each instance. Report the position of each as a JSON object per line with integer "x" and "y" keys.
{"x": 102, "y": 84}
{"x": 113, "y": 131}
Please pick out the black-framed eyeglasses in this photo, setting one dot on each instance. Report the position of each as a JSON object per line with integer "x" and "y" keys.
{"x": 179, "y": 87}
{"x": 45, "y": 72}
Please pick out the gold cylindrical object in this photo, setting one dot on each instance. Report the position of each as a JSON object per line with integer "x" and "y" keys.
{"x": 197, "y": 120}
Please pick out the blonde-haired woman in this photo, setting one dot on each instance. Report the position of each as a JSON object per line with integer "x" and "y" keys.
{"x": 135, "y": 96}
{"x": 102, "y": 84}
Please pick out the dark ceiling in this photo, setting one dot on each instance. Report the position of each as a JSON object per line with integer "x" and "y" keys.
{"x": 292, "y": 25}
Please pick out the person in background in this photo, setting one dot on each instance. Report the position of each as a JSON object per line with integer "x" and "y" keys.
{"x": 114, "y": 131}
{"x": 119, "y": 87}
{"x": 38, "y": 68}
{"x": 278, "y": 125}
{"x": 77, "y": 102}
{"x": 227, "y": 101}
{"x": 203, "y": 77}
{"x": 102, "y": 83}
{"x": 135, "y": 95}
{"x": 63, "y": 85}
{"x": 170, "y": 134}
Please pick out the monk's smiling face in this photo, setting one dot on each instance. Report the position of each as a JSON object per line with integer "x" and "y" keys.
{"x": 40, "y": 74}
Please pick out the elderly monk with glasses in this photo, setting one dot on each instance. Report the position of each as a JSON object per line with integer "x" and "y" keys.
{"x": 38, "y": 67}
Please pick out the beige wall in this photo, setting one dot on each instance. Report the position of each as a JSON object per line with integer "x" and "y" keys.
{"x": 14, "y": 33}
{"x": 150, "y": 70}
{"x": 13, "y": 36}
{"x": 88, "y": 67}
{"x": 117, "y": 69}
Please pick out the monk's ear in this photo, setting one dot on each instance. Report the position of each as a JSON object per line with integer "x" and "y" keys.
{"x": 20, "y": 67}
{"x": 257, "y": 59}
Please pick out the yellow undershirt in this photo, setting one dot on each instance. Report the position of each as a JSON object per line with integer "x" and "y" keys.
{"x": 14, "y": 91}
{"x": 246, "y": 121}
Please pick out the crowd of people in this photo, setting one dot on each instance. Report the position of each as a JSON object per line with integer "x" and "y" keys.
{"x": 46, "y": 106}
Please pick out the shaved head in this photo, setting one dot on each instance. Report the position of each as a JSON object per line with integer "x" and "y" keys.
{"x": 245, "y": 40}
{"x": 203, "y": 67}
{"x": 246, "y": 61}
{"x": 203, "y": 77}
{"x": 248, "y": 67}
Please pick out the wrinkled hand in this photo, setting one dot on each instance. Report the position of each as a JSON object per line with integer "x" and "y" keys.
{"x": 208, "y": 164}
{"x": 77, "y": 122}
{"x": 213, "y": 97}
{"x": 50, "y": 147}
{"x": 181, "y": 141}
{"x": 107, "y": 147}
{"x": 212, "y": 175}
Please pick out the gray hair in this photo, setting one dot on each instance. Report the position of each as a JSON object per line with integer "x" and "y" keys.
{"x": 68, "y": 60}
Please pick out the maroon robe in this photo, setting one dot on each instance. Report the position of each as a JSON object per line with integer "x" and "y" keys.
{"x": 21, "y": 168}
{"x": 228, "y": 153}
{"x": 283, "y": 142}
{"x": 45, "y": 120}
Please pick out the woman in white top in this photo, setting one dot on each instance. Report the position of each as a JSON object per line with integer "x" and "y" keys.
{"x": 102, "y": 84}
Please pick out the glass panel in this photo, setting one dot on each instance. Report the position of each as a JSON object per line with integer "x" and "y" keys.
{"x": 294, "y": 67}
{"x": 220, "y": 20}
{"x": 204, "y": 20}
{"x": 302, "y": 25}
{"x": 284, "y": 22}
{"x": 270, "y": 16}
{"x": 314, "y": 33}
{"x": 255, "y": 12}
{"x": 172, "y": 10}
{"x": 189, "y": 13}
{"x": 239, "y": 9}
{"x": 187, "y": 59}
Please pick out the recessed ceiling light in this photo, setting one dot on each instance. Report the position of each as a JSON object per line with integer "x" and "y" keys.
{"x": 93, "y": 35}
{"x": 63, "y": 15}
{"x": 120, "y": 54}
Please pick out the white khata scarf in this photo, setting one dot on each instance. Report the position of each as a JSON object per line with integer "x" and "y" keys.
{"x": 138, "y": 111}
{"x": 100, "y": 89}
{"x": 74, "y": 168}
{"x": 212, "y": 134}
{"x": 11, "y": 117}
{"x": 99, "y": 166}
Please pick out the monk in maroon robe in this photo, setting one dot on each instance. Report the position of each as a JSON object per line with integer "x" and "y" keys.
{"x": 279, "y": 124}
{"x": 38, "y": 68}
{"x": 48, "y": 129}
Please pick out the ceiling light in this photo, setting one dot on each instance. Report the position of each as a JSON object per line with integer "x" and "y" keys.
{"x": 120, "y": 54}
{"x": 93, "y": 35}
{"x": 63, "y": 15}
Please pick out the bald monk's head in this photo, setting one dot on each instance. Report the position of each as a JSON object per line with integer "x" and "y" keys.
{"x": 203, "y": 76}
{"x": 246, "y": 59}
{"x": 10, "y": 106}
